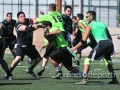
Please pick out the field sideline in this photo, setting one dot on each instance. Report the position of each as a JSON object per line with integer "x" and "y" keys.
{"x": 98, "y": 78}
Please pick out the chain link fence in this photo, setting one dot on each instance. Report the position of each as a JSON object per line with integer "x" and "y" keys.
{"x": 106, "y": 10}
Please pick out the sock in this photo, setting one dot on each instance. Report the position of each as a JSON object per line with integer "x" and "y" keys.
{"x": 43, "y": 67}
{"x": 31, "y": 67}
{"x": 58, "y": 68}
{"x": 79, "y": 72}
{"x": 113, "y": 75}
{"x": 85, "y": 75}
{"x": 11, "y": 69}
{"x": 78, "y": 63}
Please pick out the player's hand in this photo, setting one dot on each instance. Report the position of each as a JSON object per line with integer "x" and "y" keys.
{"x": 72, "y": 49}
{"x": 35, "y": 26}
{"x": 41, "y": 12}
{"x": 118, "y": 37}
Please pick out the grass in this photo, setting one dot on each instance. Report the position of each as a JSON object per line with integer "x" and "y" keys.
{"x": 98, "y": 77}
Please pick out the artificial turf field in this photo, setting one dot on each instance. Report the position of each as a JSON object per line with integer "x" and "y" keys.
{"x": 98, "y": 77}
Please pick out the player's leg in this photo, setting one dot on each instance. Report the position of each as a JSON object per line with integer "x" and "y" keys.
{"x": 98, "y": 51}
{"x": 58, "y": 70}
{"x": 107, "y": 60}
{"x": 55, "y": 60}
{"x": 35, "y": 56}
{"x": 5, "y": 45}
{"x": 42, "y": 69}
{"x": 3, "y": 63}
{"x": 62, "y": 56}
{"x": 79, "y": 50}
{"x": 30, "y": 61}
{"x": 11, "y": 44}
{"x": 67, "y": 62}
{"x": 20, "y": 52}
{"x": 95, "y": 53}
{"x": 48, "y": 51}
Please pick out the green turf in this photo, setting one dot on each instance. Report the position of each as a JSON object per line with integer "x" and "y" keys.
{"x": 23, "y": 81}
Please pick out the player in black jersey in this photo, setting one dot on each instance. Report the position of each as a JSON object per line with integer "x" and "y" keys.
{"x": 24, "y": 43}
{"x": 67, "y": 22}
{"x": 9, "y": 39}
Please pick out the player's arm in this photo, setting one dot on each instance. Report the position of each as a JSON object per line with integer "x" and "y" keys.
{"x": 28, "y": 28}
{"x": 0, "y": 27}
{"x": 84, "y": 38}
{"x": 55, "y": 32}
{"x": 81, "y": 26}
{"x": 40, "y": 19}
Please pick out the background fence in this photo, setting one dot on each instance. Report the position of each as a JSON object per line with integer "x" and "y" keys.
{"x": 106, "y": 10}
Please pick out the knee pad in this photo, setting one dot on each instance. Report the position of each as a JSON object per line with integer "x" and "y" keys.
{"x": 106, "y": 61}
{"x": 87, "y": 61}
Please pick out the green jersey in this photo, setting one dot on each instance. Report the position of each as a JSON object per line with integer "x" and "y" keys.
{"x": 54, "y": 17}
{"x": 98, "y": 30}
{"x": 84, "y": 23}
{"x": 59, "y": 41}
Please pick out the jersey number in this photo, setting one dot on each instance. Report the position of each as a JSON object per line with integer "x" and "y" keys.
{"x": 57, "y": 19}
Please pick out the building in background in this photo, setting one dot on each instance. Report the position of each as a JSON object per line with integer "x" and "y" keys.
{"x": 107, "y": 10}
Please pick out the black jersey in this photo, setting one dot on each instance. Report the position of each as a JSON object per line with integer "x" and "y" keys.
{"x": 7, "y": 28}
{"x": 67, "y": 23}
{"x": 24, "y": 37}
{"x": 78, "y": 34}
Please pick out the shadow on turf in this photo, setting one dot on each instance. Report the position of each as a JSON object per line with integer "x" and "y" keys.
{"x": 14, "y": 83}
{"x": 34, "y": 78}
{"x": 37, "y": 78}
{"x": 89, "y": 82}
{"x": 116, "y": 69}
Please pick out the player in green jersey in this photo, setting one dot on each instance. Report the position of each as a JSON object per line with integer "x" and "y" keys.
{"x": 55, "y": 18}
{"x": 61, "y": 54}
{"x": 104, "y": 46}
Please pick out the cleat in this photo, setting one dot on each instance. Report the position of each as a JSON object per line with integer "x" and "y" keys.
{"x": 57, "y": 75}
{"x": 82, "y": 82}
{"x": 41, "y": 71}
{"x": 114, "y": 81}
{"x": 31, "y": 73}
{"x": 9, "y": 77}
{"x": 26, "y": 70}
